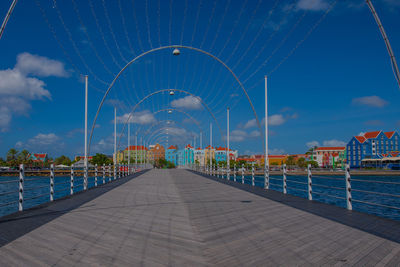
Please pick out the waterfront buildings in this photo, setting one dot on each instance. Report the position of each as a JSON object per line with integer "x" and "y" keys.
{"x": 38, "y": 157}
{"x": 156, "y": 152}
{"x": 372, "y": 148}
{"x": 331, "y": 157}
{"x": 171, "y": 155}
{"x": 199, "y": 156}
{"x": 186, "y": 156}
{"x": 140, "y": 151}
{"x": 209, "y": 152}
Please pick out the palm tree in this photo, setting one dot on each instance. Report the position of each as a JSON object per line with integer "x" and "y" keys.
{"x": 12, "y": 154}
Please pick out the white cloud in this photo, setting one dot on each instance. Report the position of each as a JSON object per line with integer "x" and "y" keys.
{"x": 141, "y": 117}
{"x": 313, "y": 5}
{"x": 312, "y": 144}
{"x": 187, "y": 102}
{"x": 39, "y": 66}
{"x": 255, "y": 133}
{"x": 275, "y": 120}
{"x": 250, "y": 124}
{"x": 237, "y": 136}
{"x": 371, "y": 101}
{"x": 17, "y": 89}
{"x": 43, "y": 139}
{"x": 333, "y": 143}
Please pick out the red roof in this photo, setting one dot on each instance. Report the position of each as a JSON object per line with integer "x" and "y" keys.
{"x": 188, "y": 146}
{"x": 172, "y": 147}
{"x": 360, "y": 139}
{"x": 332, "y": 147}
{"x": 209, "y": 147}
{"x": 198, "y": 148}
{"x": 372, "y": 134}
{"x": 389, "y": 134}
{"x": 136, "y": 148}
{"x": 394, "y": 154}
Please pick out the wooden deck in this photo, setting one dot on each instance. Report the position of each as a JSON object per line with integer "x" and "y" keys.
{"x": 177, "y": 218}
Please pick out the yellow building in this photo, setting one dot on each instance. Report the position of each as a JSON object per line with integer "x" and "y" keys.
{"x": 209, "y": 152}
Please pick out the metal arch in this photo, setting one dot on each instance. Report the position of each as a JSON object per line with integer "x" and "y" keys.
{"x": 180, "y": 111}
{"x": 160, "y": 91}
{"x": 395, "y": 67}
{"x": 159, "y": 123}
{"x": 169, "y": 47}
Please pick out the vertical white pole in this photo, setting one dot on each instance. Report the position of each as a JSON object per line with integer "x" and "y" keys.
{"x": 348, "y": 188}
{"x": 252, "y": 175}
{"x": 85, "y": 178}
{"x": 266, "y": 160}
{"x": 309, "y": 182}
{"x": 228, "y": 167}
{"x": 72, "y": 180}
{"x": 21, "y": 187}
{"x": 242, "y": 173}
{"x": 51, "y": 182}
{"x": 234, "y": 172}
{"x": 129, "y": 145}
{"x": 284, "y": 179}
{"x": 95, "y": 175}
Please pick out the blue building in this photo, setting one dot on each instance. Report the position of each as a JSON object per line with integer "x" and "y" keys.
{"x": 186, "y": 156}
{"x": 372, "y": 148}
{"x": 171, "y": 155}
{"x": 220, "y": 154}
{"x": 181, "y": 157}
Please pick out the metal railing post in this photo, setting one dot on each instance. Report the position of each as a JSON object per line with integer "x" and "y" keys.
{"x": 52, "y": 182}
{"x": 234, "y": 173}
{"x": 95, "y": 175}
{"x": 85, "y": 178}
{"x": 242, "y": 173}
{"x": 21, "y": 187}
{"x": 109, "y": 173}
{"x": 284, "y": 179}
{"x": 309, "y": 182}
{"x": 104, "y": 173}
{"x": 348, "y": 188}
{"x": 266, "y": 176}
{"x": 115, "y": 171}
{"x": 252, "y": 176}
{"x": 71, "y": 190}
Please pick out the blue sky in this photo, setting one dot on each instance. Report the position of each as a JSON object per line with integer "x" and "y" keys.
{"x": 329, "y": 74}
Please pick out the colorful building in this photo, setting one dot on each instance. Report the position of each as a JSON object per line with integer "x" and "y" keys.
{"x": 171, "y": 155}
{"x": 186, "y": 156}
{"x": 372, "y": 147}
{"x": 209, "y": 152}
{"x": 140, "y": 151}
{"x": 38, "y": 157}
{"x": 220, "y": 154}
{"x": 199, "y": 156}
{"x": 329, "y": 157}
{"x": 156, "y": 152}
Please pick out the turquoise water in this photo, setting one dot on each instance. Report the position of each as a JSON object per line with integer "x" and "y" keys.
{"x": 37, "y": 190}
{"x": 331, "y": 190}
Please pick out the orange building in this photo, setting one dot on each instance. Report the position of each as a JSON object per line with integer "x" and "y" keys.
{"x": 156, "y": 152}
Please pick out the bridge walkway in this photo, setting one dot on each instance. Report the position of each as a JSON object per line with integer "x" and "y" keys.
{"x": 178, "y": 218}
